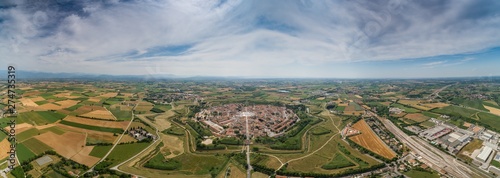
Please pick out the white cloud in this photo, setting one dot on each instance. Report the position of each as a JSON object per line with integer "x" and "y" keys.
{"x": 227, "y": 39}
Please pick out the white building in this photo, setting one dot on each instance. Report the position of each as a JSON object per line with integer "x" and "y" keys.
{"x": 485, "y": 153}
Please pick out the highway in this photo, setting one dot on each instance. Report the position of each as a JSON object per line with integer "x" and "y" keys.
{"x": 435, "y": 158}
{"x": 249, "y": 168}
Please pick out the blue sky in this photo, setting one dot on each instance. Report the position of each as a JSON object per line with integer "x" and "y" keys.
{"x": 260, "y": 38}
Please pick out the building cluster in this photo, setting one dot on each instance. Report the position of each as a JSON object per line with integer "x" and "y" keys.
{"x": 230, "y": 119}
{"x": 394, "y": 110}
{"x": 140, "y": 133}
{"x": 453, "y": 139}
{"x": 165, "y": 98}
{"x": 383, "y": 133}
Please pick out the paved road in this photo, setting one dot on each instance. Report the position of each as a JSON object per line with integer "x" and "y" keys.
{"x": 117, "y": 141}
{"x": 249, "y": 168}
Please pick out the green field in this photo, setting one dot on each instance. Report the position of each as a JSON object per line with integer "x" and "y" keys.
{"x": 74, "y": 107}
{"x": 36, "y": 146}
{"x": 54, "y": 129}
{"x": 490, "y": 120}
{"x": 428, "y": 124}
{"x": 478, "y": 104}
{"x": 41, "y": 102}
{"x": 23, "y": 153}
{"x": 200, "y": 164}
{"x": 455, "y": 111}
{"x": 419, "y": 174}
{"x": 27, "y": 134}
{"x": 356, "y": 106}
{"x": 119, "y": 114}
{"x": 320, "y": 130}
{"x": 338, "y": 161}
{"x": 495, "y": 163}
{"x": 407, "y": 109}
{"x": 430, "y": 114}
{"x": 340, "y": 108}
{"x": 159, "y": 162}
{"x": 125, "y": 151}
{"x": 2, "y": 136}
{"x": 39, "y": 117}
{"x": 91, "y": 127}
{"x": 100, "y": 151}
{"x": 491, "y": 105}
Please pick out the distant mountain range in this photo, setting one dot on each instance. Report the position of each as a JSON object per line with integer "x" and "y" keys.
{"x": 20, "y": 74}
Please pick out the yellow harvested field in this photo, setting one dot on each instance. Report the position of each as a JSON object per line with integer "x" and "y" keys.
{"x": 417, "y": 117}
{"x": 94, "y": 99}
{"x": 83, "y": 157}
{"x": 28, "y": 102}
{"x": 409, "y": 102}
{"x": 320, "y": 98}
{"x": 435, "y": 105}
{"x": 5, "y": 147}
{"x": 105, "y": 136}
{"x": 100, "y": 114}
{"x": 357, "y": 96}
{"x": 172, "y": 144}
{"x": 493, "y": 110}
{"x": 67, "y": 144}
{"x": 127, "y": 94}
{"x": 38, "y": 98}
{"x": 86, "y": 109}
{"x": 62, "y": 95}
{"x": 21, "y": 127}
{"x": 236, "y": 173}
{"x": 386, "y": 103}
{"x": 67, "y": 103}
{"x": 50, "y": 106}
{"x": 369, "y": 140}
{"x": 109, "y": 95}
{"x": 95, "y": 122}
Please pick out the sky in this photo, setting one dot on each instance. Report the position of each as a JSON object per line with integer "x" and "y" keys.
{"x": 258, "y": 38}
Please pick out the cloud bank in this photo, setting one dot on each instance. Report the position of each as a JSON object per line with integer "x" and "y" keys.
{"x": 239, "y": 38}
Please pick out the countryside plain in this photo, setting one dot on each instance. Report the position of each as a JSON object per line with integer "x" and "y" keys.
{"x": 256, "y": 128}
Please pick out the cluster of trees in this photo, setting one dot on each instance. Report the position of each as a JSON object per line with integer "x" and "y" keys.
{"x": 201, "y": 146}
{"x": 343, "y": 173}
{"x": 59, "y": 166}
{"x": 157, "y": 110}
{"x": 159, "y": 162}
{"x": 98, "y": 144}
{"x": 230, "y": 141}
{"x": 200, "y": 129}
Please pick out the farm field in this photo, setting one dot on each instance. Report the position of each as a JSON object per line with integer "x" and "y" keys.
{"x": 406, "y": 109}
{"x": 417, "y": 117}
{"x": 124, "y": 151}
{"x": 91, "y": 127}
{"x": 95, "y": 122}
{"x": 4, "y": 145}
{"x": 100, "y": 114}
{"x": 39, "y": 117}
{"x": 67, "y": 144}
{"x": 84, "y": 158}
{"x": 493, "y": 110}
{"x": 93, "y": 136}
{"x": 23, "y": 153}
{"x": 435, "y": 105}
{"x": 36, "y": 146}
{"x": 369, "y": 140}
{"x": 86, "y": 109}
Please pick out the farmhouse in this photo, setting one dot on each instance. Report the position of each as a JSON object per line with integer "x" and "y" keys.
{"x": 141, "y": 134}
